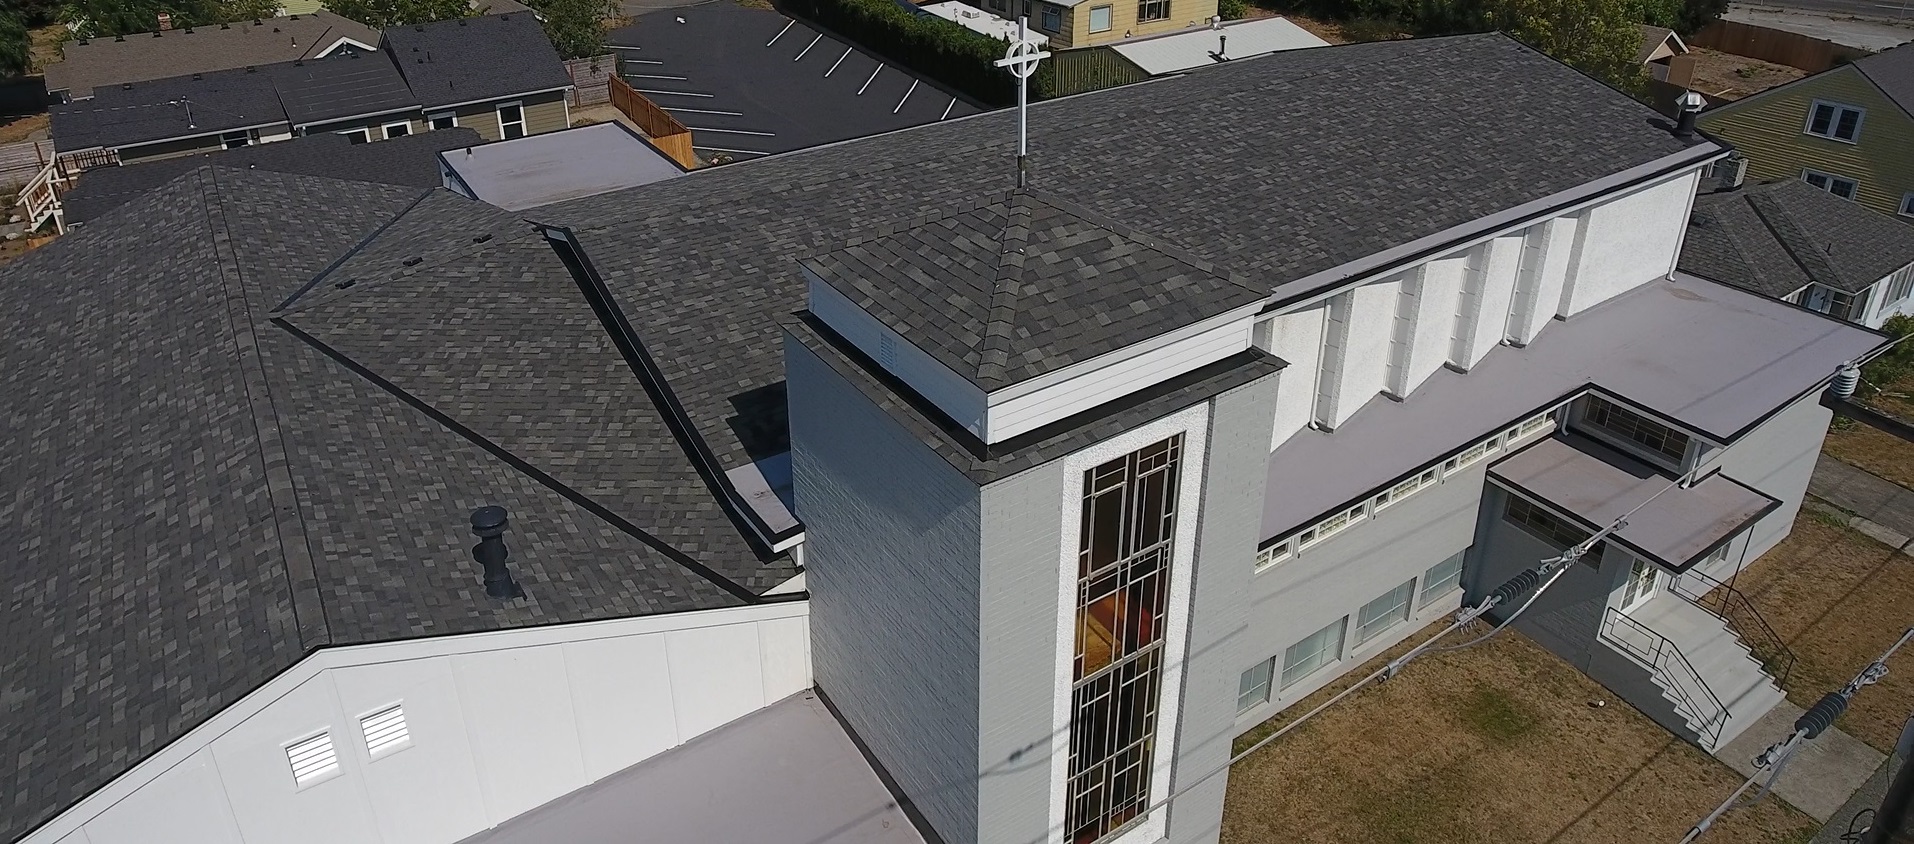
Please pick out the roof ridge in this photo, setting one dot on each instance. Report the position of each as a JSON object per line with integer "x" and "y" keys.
{"x": 1144, "y": 238}
{"x": 1000, "y": 320}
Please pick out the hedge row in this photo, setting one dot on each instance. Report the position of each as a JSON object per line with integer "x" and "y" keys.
{"x": 932, "y": 46}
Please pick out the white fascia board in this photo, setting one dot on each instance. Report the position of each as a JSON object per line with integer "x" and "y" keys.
{"x": 1321, "y": 285}
{"x": 1154, "y": 344}
{"x": 183, "y": 748}
{"x": 342, "y": 42}
{"x": 507, "y": 99}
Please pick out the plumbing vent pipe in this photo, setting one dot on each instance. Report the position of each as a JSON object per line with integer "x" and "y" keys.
{"x": 489, "y": 524}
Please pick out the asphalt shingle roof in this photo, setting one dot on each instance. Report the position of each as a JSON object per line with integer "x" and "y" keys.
{"x": 1025, "y": 284}
{"x": 1775, "y": 238}
{"x": 481, "y": 58}
{"x": 105, "y": 62}
{"x": 411, "y": 160}
{"x": 344, "y": 85}
{"x": 1893, "y": 72}
{"x": 161, "y": 109}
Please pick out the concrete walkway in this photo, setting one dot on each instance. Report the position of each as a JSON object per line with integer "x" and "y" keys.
{"x": 1883, "y": 510}
{"x": 1824, "y": 773}
{"x": 1868, "y": 798}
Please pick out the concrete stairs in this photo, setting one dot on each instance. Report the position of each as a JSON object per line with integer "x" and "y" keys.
{"x": 1720, "y": 662}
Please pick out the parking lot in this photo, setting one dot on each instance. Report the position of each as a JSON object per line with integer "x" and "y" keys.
{"x": 752, "y": 82}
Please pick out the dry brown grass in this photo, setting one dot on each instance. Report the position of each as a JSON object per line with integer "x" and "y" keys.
{"x": 1838, "y": 599}
{"x": 1496, "y": 743}
{"x": 1882, "y": 454}
{"x": 1731, "y": 76}
{"x": 22, "y": 127}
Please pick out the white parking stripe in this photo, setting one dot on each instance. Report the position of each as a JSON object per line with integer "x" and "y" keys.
{"x": 807, "y": 47}
{"x": 900, "y": 103}
{"x": 739, "y": 151}
{"x": 787, "y": 28}
{"x": 867, "y": 82}
{"x": 840, "y": 60}
{"x": 653, "y": 76}
{"x": 702, "y": 111}
{"x": 953, "y": 104}
{"x": 731, "y": 131}
{"x": 673, "y": 93}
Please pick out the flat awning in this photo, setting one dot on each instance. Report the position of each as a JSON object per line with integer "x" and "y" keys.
{"x": 1594, "y": 484}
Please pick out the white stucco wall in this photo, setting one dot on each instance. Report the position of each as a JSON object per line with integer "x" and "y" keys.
{"x": 1372, "y": 313}
{"x": 1297, "y": 338}
{"x": 499, "y": 723}
{"x": 1631, "y": 240}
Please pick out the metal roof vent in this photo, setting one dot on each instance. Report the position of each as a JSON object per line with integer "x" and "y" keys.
{"x": 385, "y": 731}
{"x": 489, "y": 524}
{"x": 313, "y": 760}
{"x": 1686, "y": 107}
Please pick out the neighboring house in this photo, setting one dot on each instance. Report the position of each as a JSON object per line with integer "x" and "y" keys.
{"x": 1665, "y": 56}
{"x": 410, "y": 161}
{"x": 497, "y": 75}
{"x": 357, "y": 94}
{"x": 1846, "y": 130}
{"x": 1196, "y": 48}
{"x": 975, "y": 19}
{"x": 1087, "y": 23}
{"x": 1045, "y": 494}
{"x": 1796, "y": 243}
{"x": 91, "y": 63}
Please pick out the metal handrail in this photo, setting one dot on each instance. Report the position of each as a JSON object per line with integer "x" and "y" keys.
{"x": 1664, "y": 657}
{"x": 1741, "y": 616}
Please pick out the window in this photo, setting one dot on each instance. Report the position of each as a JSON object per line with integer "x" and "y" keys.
{"x": 1384, "y": 612}
{"x": 1843, "y": 188}
{"x": 1468, "y": 456}
{"x": 1660, "y": 442}
{"x": 511, "y": 121}
{"x": 1099, "y": 18}
{"x": 1253, "y": 688}
{"x": 1835, "y": 121}
{"x": 1900, "y": 284}
{"x": 1052, "y": 18}
{"x": 1538, "y": 422}
{"x": 1545, "y": 526}
{"x": 397, "y": 130}
{"x": 1834, "y": 303}
{"x": 1907, "y": 205}
{"x": 1442, "y": 578}
{"x": 1152, "y": 10}
{"x": 1316, "y": 650}
{"x": 1414, "y": 484}
{"x": 443, "y": 120}
{"x": 235, "y": 140}
{"x": 1274, "y": 554}
{"x": 1334, "y": 524}
{"x": 357, "y": 136}
{"x": 1123, "y": 570}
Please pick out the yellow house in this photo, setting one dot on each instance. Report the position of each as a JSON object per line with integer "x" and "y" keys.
{"x": 1087, "y": 23}
{"x": 1848, "y": 130}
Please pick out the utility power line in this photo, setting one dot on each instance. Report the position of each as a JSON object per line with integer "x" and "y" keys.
{"x": 1773, "y": 761}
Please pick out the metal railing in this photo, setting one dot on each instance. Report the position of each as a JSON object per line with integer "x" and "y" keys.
{"x": 1726, "y": 603}
{"x": 1666, "y": 660}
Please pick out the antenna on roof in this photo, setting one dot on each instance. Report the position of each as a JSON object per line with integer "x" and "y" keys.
{"x": 1021, "y": 59}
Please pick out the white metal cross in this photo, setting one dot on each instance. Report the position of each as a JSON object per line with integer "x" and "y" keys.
{"x": 1021, "y": 59}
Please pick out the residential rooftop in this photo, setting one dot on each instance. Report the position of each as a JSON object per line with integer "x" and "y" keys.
{"x": 467, "y": 60}
{"x": 90, "y": 63}
{"x": 1893, "y": 72}
{"x": 346, "y": 85}
{"x": 555, "y": 166}
{"x": 1193, "y": 48}
{"x": 1776, "y": 238}
{"x": 194, "y": 105}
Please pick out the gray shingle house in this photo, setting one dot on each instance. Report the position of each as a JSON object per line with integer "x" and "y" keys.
{"x": 1000, "y": 513}
{"x": 495, "y": 74}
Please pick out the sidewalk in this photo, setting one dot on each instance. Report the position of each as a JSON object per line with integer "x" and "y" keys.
{"x": 1823, "y": 774}
{"x": 1882, "y": 510}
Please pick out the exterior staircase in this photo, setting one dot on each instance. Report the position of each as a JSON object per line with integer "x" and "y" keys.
{"x": 1708, "y": 686}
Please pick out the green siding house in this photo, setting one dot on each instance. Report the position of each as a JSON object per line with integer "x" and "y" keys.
{"x": 1848, "y": 130}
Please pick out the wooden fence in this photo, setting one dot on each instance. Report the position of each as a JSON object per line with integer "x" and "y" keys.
{"x": 665, "y": 132}
{"x": 1775, "y": 45}
{"x": 589, "y": 76}
{"x": 20, "y": 162}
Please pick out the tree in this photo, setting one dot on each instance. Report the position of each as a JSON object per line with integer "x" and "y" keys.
{"x": 380, "y": 14}
{"x": 105, "y": 18}
{"x": 577, "y": 27}
{"x": 16, "y": 46}
{"x": 1598, "y": 37}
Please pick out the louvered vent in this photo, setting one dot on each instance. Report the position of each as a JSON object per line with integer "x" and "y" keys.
{"x": 313, "y": 759}
{"x": 385, "y": 731}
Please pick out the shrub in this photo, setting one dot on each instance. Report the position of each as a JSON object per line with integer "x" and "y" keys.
{"x": 937, "y": 48}
{"x": 1231, "y": 10}
{"x": 1886, "y": 371}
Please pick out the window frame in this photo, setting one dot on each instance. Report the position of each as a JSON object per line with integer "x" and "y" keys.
{"x": 1834, "y": 121}
{"x": 246, "y": 137}
{"x": 432, "y": 120}
{"x": 1251, "y": 693}
{"x": 1432, "y": 588}
{"x": 1586, "y": 425}
{"x": 1809, "y": 174}
{"x": 1050, "y": 17}
{"x": 385, "y": 131}
{"x": 1907, "y": 205}
{"x": 1542, "y": 523}
{"x": 498, "y": 111}
{"x": 1325, "y": 655}
{"x": 1145, "y": 8}
{"x": 1391, "y": 616}
{"x": 1109, "y": 23}
{"x": 364, "y": 135}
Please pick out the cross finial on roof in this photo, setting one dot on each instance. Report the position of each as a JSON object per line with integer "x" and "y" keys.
{"x": 1022, "y": 59}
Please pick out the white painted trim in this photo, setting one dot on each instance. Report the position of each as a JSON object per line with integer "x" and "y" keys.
{"x": 202, "y": 736}
{"x": 429, "y": 118}
{"x": 521, "y": 96}
{"x": 1193, "y": 424}
{"x": 955, "y": 395}
{"x": 1161, "y": 341}
{"x": 1807, "y": 127}
{"x": 341, "y": 43}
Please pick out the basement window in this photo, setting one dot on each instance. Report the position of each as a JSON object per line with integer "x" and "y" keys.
{"x": 1835, "y": 121}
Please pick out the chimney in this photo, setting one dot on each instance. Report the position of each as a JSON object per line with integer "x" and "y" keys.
{"x": 1686, "y": 107}
{"x": 489, "y": 524}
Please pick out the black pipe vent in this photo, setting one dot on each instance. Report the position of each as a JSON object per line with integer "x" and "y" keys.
{"x": 489, "y": 524}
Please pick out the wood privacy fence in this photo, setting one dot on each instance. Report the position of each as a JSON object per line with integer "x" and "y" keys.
{"x": 1775, "y": 45}
{"x": 20, "y": 162}
{"x": 589, "y": 76}
{"x": 665, "y": 132}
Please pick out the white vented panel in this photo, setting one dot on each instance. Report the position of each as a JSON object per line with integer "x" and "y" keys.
{"x": 385, "y": 731}
{"x": 313, "y": 759}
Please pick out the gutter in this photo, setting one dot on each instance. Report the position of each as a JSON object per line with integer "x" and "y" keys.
{"x": 497, "y": 98}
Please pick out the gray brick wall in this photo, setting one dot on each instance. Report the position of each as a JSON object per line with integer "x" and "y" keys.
{"x": 891, "y": 561}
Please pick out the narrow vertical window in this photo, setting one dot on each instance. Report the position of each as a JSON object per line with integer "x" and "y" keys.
{"x": 1123, "y": 572}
